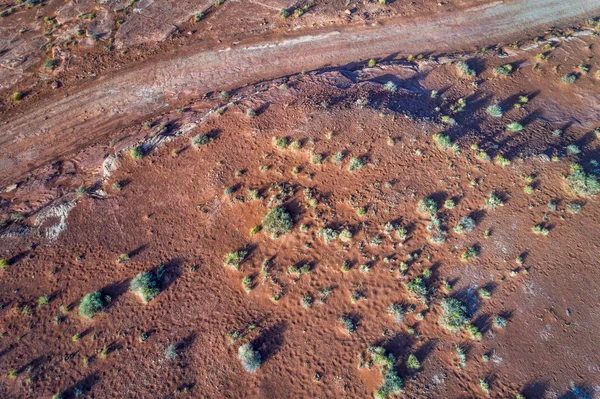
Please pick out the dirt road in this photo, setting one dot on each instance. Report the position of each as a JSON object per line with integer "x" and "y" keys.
{"x": 60, "y": 126}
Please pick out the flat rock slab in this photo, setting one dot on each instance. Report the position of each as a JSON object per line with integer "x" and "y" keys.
{"x": 154, "y": 20}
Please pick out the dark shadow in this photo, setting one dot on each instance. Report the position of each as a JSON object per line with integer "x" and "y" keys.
{"x": 7, "y": 350}
{"x": 483, "y": 323}
{"x": 82, "y": 387}
{"x": 271, "y": 340}
{"x": 137, "y": 251}
{"x": 469, "y": 298}
{"x": 172, "y": 271}
{"x": 579, "y": 391}
{"x": 187, "y": 342}
{"x": 86, "y": 332}
{"x": 400, "y": 345}
{"x": 426, "y": 349}
{"x": 536, "y": 390}
{"x": 115, "y": 290}
{"x": 35, "y": 363}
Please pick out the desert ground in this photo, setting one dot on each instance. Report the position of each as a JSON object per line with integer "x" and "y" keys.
{"x": 275, "y": 199}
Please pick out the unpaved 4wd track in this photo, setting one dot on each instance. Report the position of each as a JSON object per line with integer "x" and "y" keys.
{"x": 58, "y": 127}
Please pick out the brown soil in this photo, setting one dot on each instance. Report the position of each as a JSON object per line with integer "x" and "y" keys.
{"x": 86, "y": 114}
{"x": 186, "y": 208}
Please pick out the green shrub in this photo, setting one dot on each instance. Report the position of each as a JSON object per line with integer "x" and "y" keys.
{"x": 201, "y": 140}
{"x": 514, "y": 127}
{"x": 345, "y": 235}
{"x": 464, "y": 69}
{"x": 136, "y": 152}
{"x": 390, "y": 86}
{"x": 355, "y": 164}
{"x": 500, "y": 322}
{"x": 247, "y": 284}
{"x": 443, "y": 141}
{"x": 412, "y": 362}
{"x": 281, "y": 142}
{"x": 328, "y": 234}
{"x": 417, "y": 286}
{"x": 392, "y": 383}
{"x": 504, "y": 70}
{"x": 495, "y": 111}
{"x": 583, "y": 183}
{"x": 493, "y": 201}
{"x": 146, "y": 284}
{"x": 316, "y": 159}
{"x": 484, "y": 385}
{"x": 4, "y": 264}
{"x": 250, "y": 358}
{"x": 43, "y": 300}
{"x": 234, "y": 259}
{"x": 50, "y": 64}
{"x": 471, "y": 252}
{"x": 540, "y": 229}
{"x": 428, "y": 205}
{"x": 465, "y": 223}
{"x": 91, "y": 304}
{"x": 348, "y": 324}
{"x": 573, "y": 149}
{"x": 299, "y": 269}
{"x": 569, "y": 78}
{"x": 338, "y": 157}
{"x": 484, "y": 294}
{"x": 171, "y": 352}
{"x": 474, "y": 332}
{"x": 454, "y": 314}
{"x": 396, "y": 310}
{"x": 277, "y": 222}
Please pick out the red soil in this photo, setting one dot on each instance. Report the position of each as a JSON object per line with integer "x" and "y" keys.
{"x": 173, "y": 209}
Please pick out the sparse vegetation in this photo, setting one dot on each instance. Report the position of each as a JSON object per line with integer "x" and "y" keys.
{"x": 493, "y": 201}
{"x": 136, "y": 152}
{"x": 147, "y": 284}
{"x": 171, "y": 352}
{"x": 503, "y": 70}
{"x": 348, "y": 324}
{"x": 91, "y": 304}
{"x": 471, "y": 252}
{"x": 200, "y": 140}
{"x": 463, "y": 68}
{"x": 281, "y": 142}
{"x": 583, "y": 183}
{"x": 514, "y": 127}
{"x": 250, "y": 358}
{"x": 392, "y": 383}
{"x": 428, "y": 205}
{"x": 454, "y": 314}
{"x": 443, "y": 141}
{"x": 500, "y": 322}
{"x": 569, "y": 78}
{"x": 355, "y": 164}
{"x": 277, "y": 222}
{"x": 465, "y": 224}
{"x": 495, "y": 111}
{"x": 412, "y": 362}
{"x": 234, "y": 259}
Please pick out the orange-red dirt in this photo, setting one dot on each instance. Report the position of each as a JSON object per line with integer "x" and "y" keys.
{"x": 187, "y": 208}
